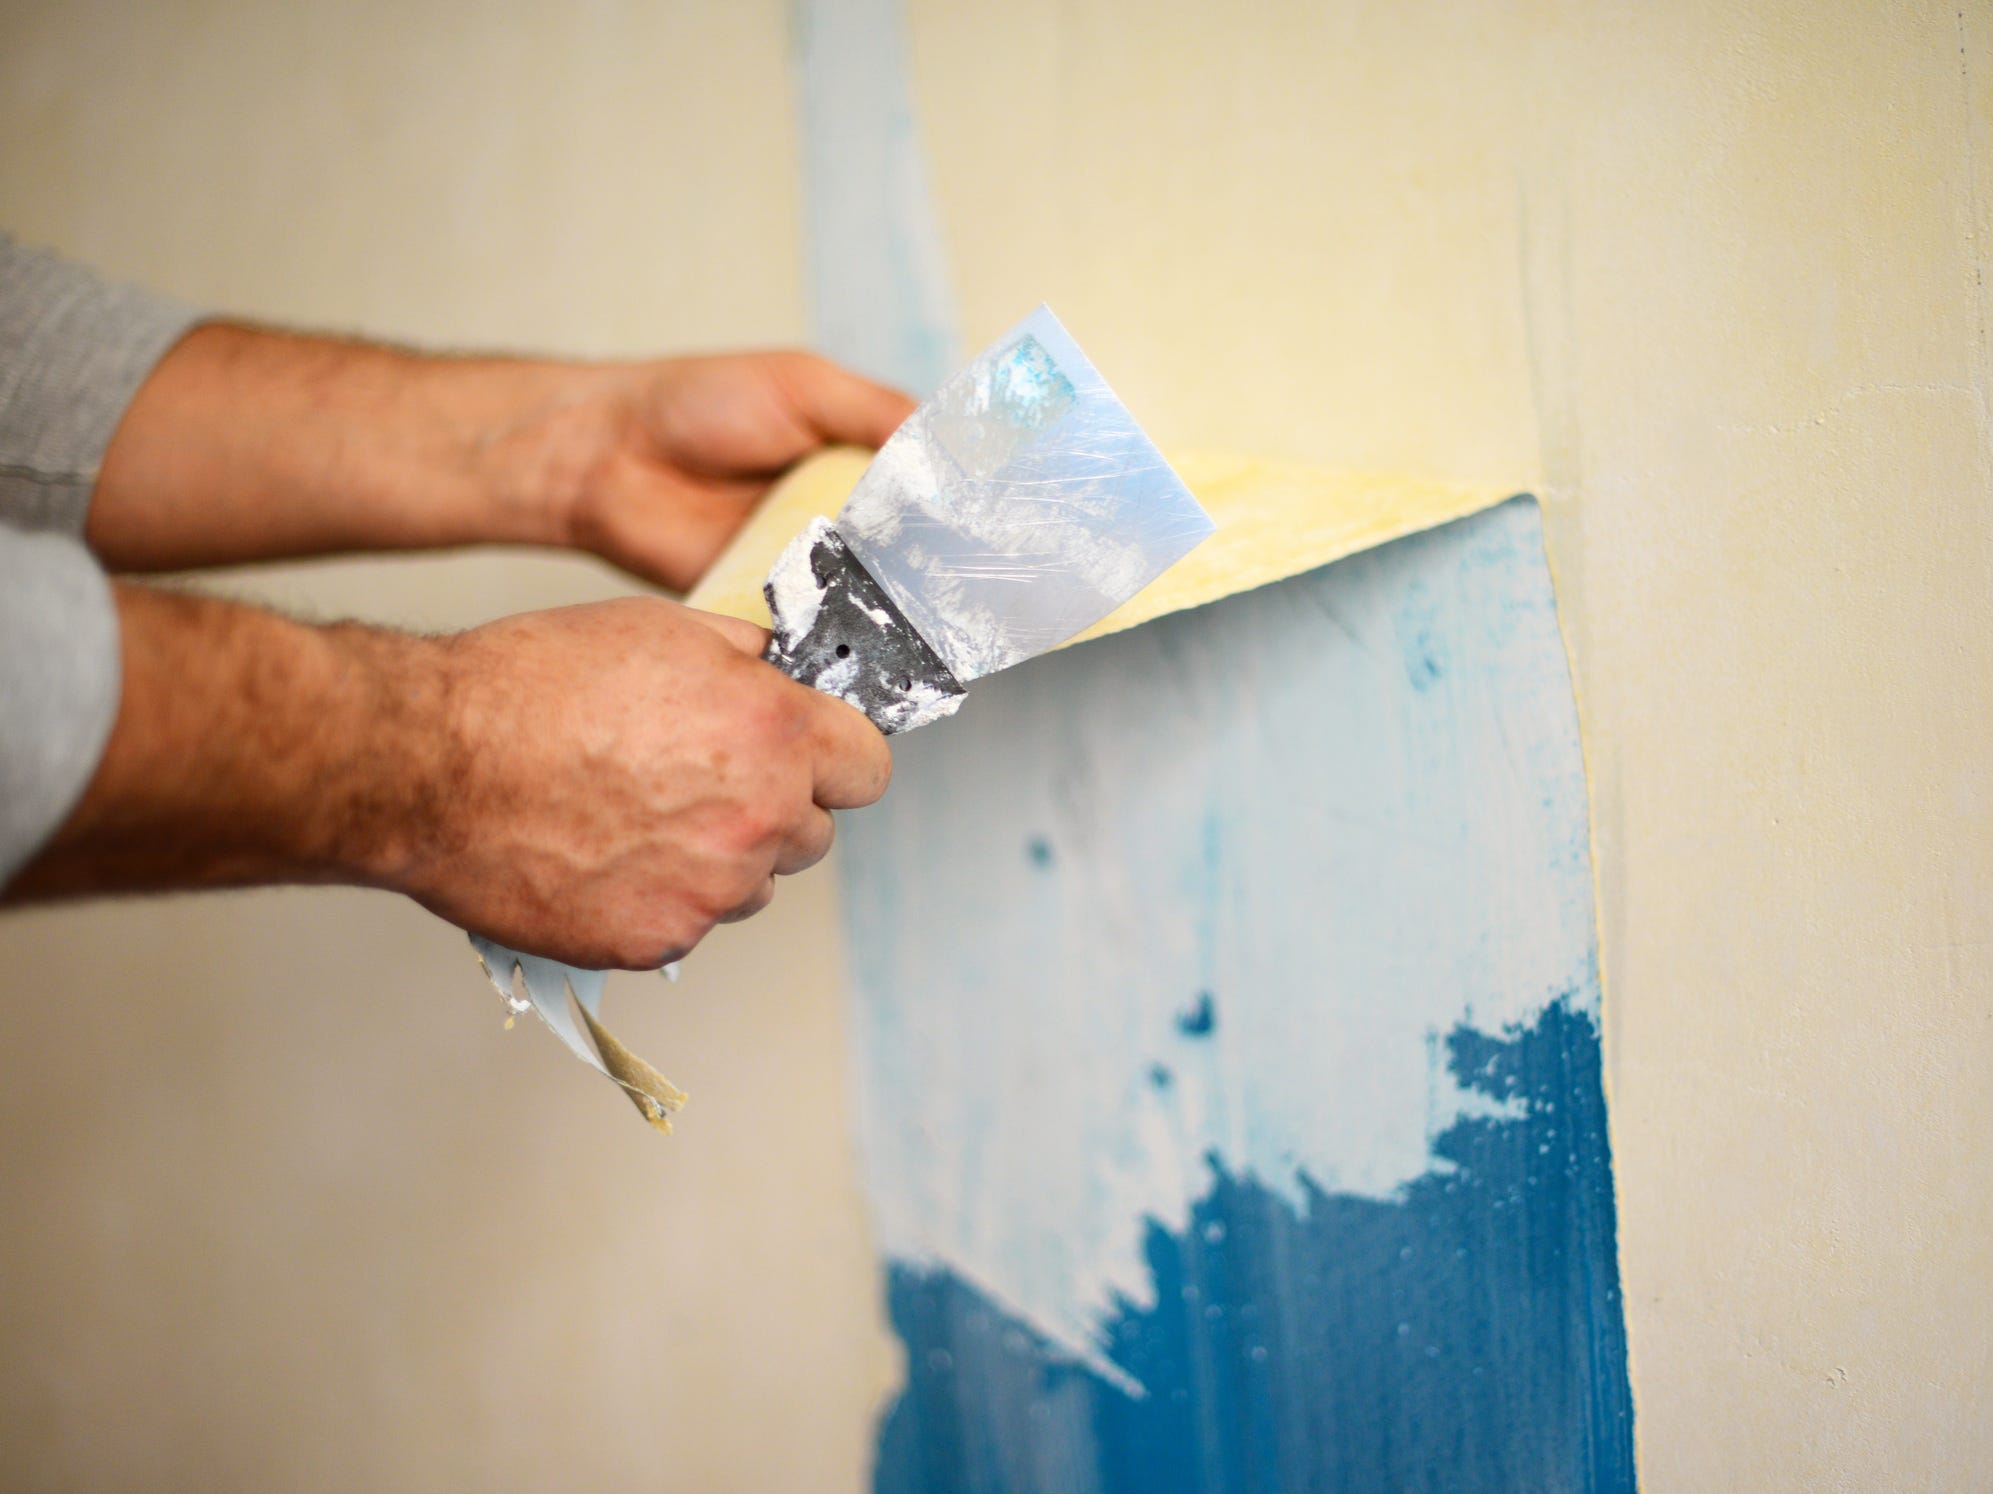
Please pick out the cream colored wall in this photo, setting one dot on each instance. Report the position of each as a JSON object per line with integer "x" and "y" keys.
{"x": 1710, "y": 277}
{"x": 281, "y": 1204}
{"x": 1713, "y": 279}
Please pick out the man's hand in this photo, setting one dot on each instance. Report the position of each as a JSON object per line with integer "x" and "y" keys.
{"x": 598, "y": 784}
{"x": 689, "y": 445}
{"x": 247, "y": 444}
{"x": 626, "y": 775}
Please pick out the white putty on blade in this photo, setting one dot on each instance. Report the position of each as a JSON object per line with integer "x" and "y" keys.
{"x": 794, "y": 593}
{"x": 860, "y": 662}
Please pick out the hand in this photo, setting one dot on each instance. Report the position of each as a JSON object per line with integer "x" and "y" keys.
{"x": 247, "y": 444}
{"x": 597, "y": 784}
{"x": 626, "y": 775}
{"x": 689, "y": 445}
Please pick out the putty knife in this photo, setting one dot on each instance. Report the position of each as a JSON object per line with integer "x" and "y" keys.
{"x": 1016, "y": 507}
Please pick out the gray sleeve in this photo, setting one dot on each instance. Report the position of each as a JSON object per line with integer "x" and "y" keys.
{"x": 73, "y": 350}
{"x": 59, "y": 685}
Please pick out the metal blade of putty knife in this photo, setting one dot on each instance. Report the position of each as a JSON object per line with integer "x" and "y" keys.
{"x": 1016, "y": 507}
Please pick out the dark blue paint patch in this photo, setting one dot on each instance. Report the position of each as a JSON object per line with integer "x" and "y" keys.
{"x": 1200, "y": 1019}
{"x": 1466, "y": 1334}
{"x": 1039, "y": 850}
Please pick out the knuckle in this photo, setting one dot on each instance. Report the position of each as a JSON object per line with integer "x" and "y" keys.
{"x": 671, "y": 936}
{"x": 680, "y": 935}
{"x": 798, "y": 363}
{"x": 750, "y": 886}
{"x": 755, "y": 825}
{"x": 762, "y": 895}
{"x": 725, "y": 891}
{"x": 772, "y": 719}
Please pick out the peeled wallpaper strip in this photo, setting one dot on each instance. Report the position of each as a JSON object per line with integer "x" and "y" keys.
{"x": 1275, "y": 520}
{"x": 552, "y": 991}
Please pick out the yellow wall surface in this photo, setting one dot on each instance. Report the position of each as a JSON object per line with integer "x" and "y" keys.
{"x": 284, "y": 1206}
{"x": 1712, "y": 279}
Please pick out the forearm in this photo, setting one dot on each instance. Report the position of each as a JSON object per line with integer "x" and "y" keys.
{"x": 249, "y": 748}
{"x": 248, "y": 444}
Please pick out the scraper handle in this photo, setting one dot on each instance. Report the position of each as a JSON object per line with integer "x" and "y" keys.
{"x": 859, "y": 646}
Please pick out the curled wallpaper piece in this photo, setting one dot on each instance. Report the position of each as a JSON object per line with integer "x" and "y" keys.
{"x": 527, "y": 982}
{"x": 1274, "y": 520}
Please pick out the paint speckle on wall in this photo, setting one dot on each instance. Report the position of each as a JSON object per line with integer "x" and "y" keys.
{"x": 1200, "y": 1018}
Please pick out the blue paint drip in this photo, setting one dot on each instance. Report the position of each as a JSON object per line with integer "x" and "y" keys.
{"x": 1200, "y": 1019}
{"x": 1464, "y": 1335}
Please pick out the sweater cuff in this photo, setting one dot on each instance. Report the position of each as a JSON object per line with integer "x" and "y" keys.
{"x": 61, "y": 680}
{"x": 77, "y": 347}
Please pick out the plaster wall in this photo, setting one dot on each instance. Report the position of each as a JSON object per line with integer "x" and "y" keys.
{"x": 1711, "y": 279}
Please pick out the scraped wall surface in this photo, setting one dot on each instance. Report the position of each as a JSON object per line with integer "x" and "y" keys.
{"x": 1225, "y": 1003}
{"x": 1711, "y": 278}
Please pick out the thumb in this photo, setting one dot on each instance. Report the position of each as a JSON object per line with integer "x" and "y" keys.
{"x": 743, "y": 635}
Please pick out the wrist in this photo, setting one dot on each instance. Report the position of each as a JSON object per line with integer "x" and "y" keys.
{"x": 532, "y": 441}
{"x": 395, "y": 762}
{"x": 252, "y": 748}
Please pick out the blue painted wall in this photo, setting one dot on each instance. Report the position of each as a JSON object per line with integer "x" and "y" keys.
{"x": 1225, "y": 996}
{"x": 1462, "y": 1335}
{"x": 1139, "y": 932}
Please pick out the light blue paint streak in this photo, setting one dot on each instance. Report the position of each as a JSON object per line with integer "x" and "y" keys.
{"x": 880, "y": 299}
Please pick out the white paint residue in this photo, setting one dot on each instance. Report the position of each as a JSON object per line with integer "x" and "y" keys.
{"x": 795, "y": 594}
{"x": 924, "y": 706}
